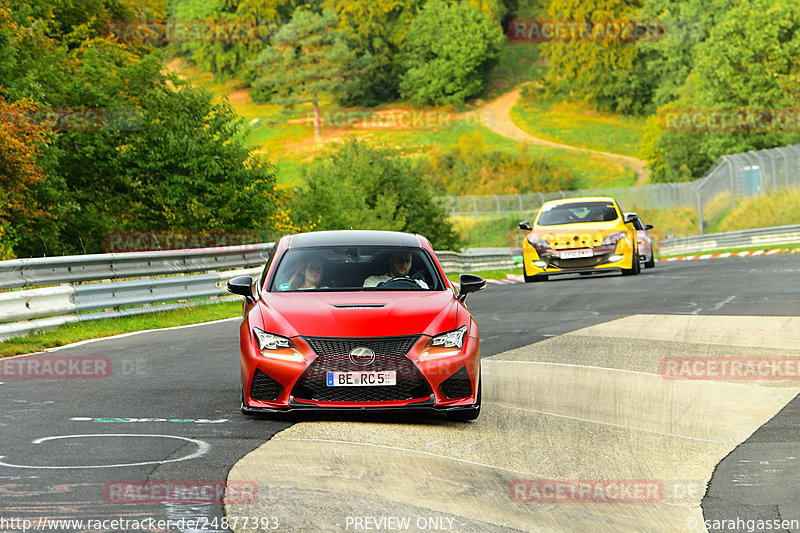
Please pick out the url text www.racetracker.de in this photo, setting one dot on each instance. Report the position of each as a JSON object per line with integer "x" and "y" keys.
{"x": 263, "y": 523}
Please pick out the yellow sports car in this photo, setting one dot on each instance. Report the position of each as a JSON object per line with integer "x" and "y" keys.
{"x": 579, "y": 235}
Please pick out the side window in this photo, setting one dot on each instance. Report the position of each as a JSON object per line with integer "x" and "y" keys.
{"x": 270, "y": 259}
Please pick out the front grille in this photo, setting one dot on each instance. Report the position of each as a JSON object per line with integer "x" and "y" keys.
{"x": 334, "y": 356}
{"x": 264, "y": 388}
{"x": 382, "y": 346}
{"x": 579, "y": 262}
{"x": 458, "y": 385}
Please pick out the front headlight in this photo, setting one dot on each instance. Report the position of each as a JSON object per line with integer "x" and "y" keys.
{"x": 540, "y": 245}
{"x": 451, "y": 339}
{"x": 614, "y": 238}
{"x": 269, "y": 341}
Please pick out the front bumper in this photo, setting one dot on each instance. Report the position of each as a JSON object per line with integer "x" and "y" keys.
{"x": 604, "y": 258}
{"x": 440, "y": 380}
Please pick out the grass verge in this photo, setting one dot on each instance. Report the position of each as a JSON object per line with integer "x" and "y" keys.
{"x": 577, "y": 124}
{"x": 486, "y": 274}
{"x": 107, "y": 327}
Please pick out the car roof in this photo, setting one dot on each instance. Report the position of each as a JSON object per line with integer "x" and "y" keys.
{"x": 577, "y": 199}
{"x": 353, "y": 238}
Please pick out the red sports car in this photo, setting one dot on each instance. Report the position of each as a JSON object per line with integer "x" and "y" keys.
{"x": 358, "y": 320}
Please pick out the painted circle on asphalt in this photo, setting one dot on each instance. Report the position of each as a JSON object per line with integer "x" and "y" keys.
{"x": 202, "y": 449}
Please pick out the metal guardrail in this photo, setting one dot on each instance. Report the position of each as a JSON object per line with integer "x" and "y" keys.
{"x": 78, "y": 268}
{"x": 83, "y": 285}
{"x": 735, "y": 239}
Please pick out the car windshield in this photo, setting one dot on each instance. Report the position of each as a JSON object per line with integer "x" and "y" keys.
{"x": 576, "y": 213}
{"x": 345, "y": 268}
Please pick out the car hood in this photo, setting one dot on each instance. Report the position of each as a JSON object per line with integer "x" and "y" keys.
{"x": 590, "y": 231}
{"x": 359, "y": 314}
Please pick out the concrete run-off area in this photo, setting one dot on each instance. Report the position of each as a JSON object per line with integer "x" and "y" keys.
{"x": 582, "y": 431}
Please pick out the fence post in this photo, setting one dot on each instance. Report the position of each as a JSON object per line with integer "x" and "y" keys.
{"x": 785, "y": 170}
{"x": 699, "y": 210}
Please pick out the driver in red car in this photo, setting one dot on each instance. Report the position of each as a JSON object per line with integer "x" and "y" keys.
{"x": 399, "y": 267}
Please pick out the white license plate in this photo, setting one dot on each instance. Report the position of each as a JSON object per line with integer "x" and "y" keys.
{"x": 362, "y": 379}
{"x": 575, "y": 254}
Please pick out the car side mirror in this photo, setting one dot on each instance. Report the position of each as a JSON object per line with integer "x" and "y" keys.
{"x": 526, "y": 225}
{"x": 648, "y": 227}
{"x": 469, "y": 283}
{"x": 629, "y": 219}
{"x": 243, "y": 286}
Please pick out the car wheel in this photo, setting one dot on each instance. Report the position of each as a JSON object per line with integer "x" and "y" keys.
{"x": 471, "y": 413}
{"x": 652, "y": 262}
{"x": 636, "y": 267}
{"x": 534, "y": 278}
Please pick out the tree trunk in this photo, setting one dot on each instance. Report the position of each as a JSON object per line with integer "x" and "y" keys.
{"x": 317, "y": 127}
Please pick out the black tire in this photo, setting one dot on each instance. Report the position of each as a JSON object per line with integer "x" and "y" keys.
{"x": 534, "y": 278}
{"x": 465, "y": 415}
{"x": 652, "y": 262}
{"x": 636, "y": 267}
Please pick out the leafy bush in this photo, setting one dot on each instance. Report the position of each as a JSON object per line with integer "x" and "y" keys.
{"x": 450, "y": 50}
{"x": 471, "y": 168}
{"x": 359, "y": 186}
{"x": 162, "y": 156}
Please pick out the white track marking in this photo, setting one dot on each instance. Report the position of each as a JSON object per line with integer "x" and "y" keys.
{"x": 202, "y": 449}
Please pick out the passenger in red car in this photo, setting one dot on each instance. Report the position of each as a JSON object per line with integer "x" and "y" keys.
{"x": 309, "y": 276}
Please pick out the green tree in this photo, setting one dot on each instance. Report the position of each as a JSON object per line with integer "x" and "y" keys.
{"x": 22, "y": 141}
{"x": 376, "y": 31}
{"x": 308, "y": 57}
{"x": 160, "y": 154}
{"x": 364, "y": 187}
{"x": 228, "y": 60}
{"x": 165, "y": 155}
{"x": 449, "y": 51}
{"x": 750, "y": 61}
{"x": 670, "y": 58}
{"x": 607, "y": 71}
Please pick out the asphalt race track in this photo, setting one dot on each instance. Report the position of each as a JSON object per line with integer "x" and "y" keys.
{"x": 579, "y": 392}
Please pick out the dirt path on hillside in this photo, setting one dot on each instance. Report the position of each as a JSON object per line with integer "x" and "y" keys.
{"x": 496, "y": 116}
